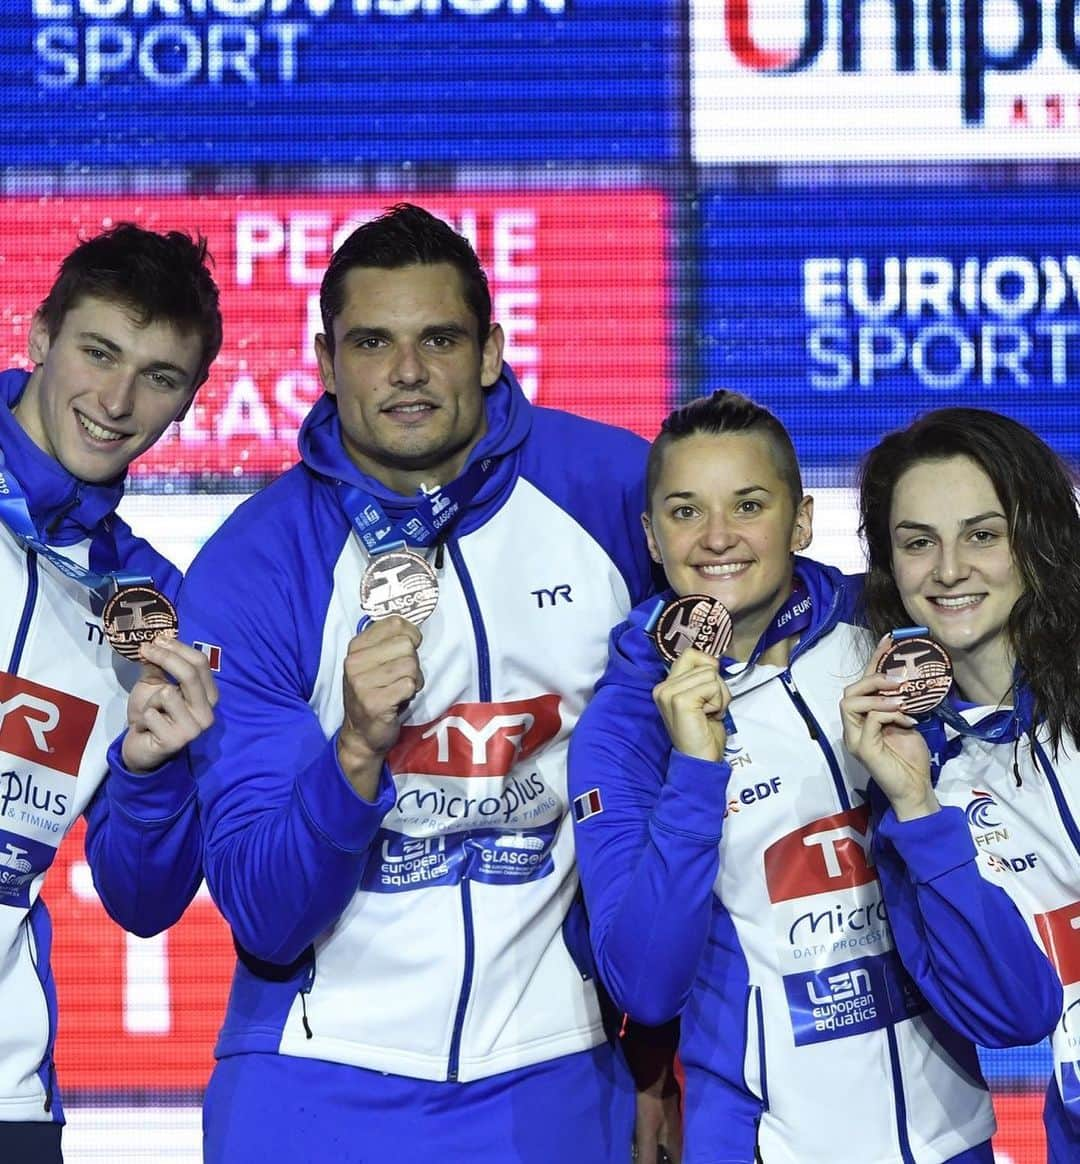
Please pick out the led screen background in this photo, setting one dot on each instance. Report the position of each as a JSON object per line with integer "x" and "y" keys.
{"x": 850, "y": 210}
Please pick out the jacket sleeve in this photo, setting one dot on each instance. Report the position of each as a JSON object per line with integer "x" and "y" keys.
{"x": 144, "y": 843}
{"x": 648, "y": 859}
{"x": 286, "y": 836}
{"x": 960, "y": 937}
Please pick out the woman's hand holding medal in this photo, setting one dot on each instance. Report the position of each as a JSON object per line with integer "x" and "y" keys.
{"x": 170, "y": 705}
{"x": 881, "y": 735}
{"x": 382, "y": 676}
{"x": 692, "y": 701}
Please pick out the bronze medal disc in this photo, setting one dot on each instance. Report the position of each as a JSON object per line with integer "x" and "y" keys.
{"x": 694, "y": 620}
{"x": 922, "y": 670}
{"x": 136, "y": 615}
{"x": 399, "y": 582}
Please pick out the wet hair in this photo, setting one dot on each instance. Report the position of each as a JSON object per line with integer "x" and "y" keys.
{"x": 157, "y": 277}
{"x": 720, "y": 413}
{"x": 405, "y": 236}
{"x": 1037, "y": 493}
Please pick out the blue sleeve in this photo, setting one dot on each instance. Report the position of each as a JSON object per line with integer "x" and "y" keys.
{"x": 960, "y": 937}
{"x": 286, "y": 837}
{"x": 648, "y": 859}
{"x": 144, "y": 843}
{"x": 143, "y": 840}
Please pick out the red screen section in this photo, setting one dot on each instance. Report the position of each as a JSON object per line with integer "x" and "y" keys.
{"x": 579, "y": 283}
{"x": 134, "y": 1014}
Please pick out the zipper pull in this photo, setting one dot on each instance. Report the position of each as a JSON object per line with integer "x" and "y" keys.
{"x": 305, "y": 990}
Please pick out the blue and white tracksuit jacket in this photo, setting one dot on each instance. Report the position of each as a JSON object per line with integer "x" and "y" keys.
{"x": 422, "y": 934}
{"x": 63, "y": 698}
{"x": 1021, "y": 805}
{"x": 743, "y": 896}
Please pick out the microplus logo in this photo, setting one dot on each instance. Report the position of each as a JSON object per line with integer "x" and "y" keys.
{"x": 969, "y": 38}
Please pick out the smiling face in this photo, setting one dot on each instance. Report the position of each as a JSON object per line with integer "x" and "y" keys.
{"x": 409, "y": 373}
{"x": 722, "y": 522}
{"x": 954, "y": 566}
{"x": 106, "y": 386}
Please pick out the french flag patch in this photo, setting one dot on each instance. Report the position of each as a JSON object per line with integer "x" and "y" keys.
{"x": 588, "y": 804}
{"x": 212, "y": 652}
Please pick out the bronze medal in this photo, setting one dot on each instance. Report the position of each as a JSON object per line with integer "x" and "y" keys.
{"x": 694, "y": 620}
{"x": 136, "y": 615}
{"x": 399, "y": 582}
{"x": 922, "y": 670}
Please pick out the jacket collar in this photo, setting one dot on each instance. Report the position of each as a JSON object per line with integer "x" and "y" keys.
{"x": 509, "y": 419}
{"x": 64, "y": 509}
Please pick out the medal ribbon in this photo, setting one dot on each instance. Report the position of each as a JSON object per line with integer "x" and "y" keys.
{"x": 791, "y": 619}
{"x": 431, "y": 517}
{"x": 15, "y": 514}
{"x": 1001, "y": 726}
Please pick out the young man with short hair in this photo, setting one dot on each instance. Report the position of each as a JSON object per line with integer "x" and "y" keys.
{"x": 411, "y": 622}
{"x": 119, "y": 347}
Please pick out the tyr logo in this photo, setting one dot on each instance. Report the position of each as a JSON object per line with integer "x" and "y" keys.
{"x": 513, "y": 728}
{"x": 42, "y": 725}
{"x": 552, "y": 596}
{"x": 828, "y": 840}
{"x": 1060, "y": 933}
{"x": 477, "y": 739}
{"x": 41, "y": 717}
{"x": 825, "y": 856}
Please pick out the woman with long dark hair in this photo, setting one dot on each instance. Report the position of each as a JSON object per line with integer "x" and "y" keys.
{"x": 722, "y": 836}
{"x": 972, "y": 530}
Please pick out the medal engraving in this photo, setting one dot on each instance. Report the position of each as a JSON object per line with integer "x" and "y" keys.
{"x": 922, "y": 670}
{"x": 136, "y": 615}
{"x": 399, "y": 582}
{"x": 694, "y": 620}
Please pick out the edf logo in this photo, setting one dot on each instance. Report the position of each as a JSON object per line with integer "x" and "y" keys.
{"x": 1016, "y": 864}
{"x": 760, "y": 791}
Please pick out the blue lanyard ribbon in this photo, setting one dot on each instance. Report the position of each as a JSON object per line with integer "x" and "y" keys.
{"x": 791, "y": 619}
{"x": 15, "y": 514}
{"x": 429, "y": 520}
{"x": 1001, "y": 726}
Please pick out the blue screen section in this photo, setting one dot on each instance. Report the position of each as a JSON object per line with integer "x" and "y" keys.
{"x": 338, "y": 81}
{"x": 850, "y": 310}
{"x": 1018, "y": 1066}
